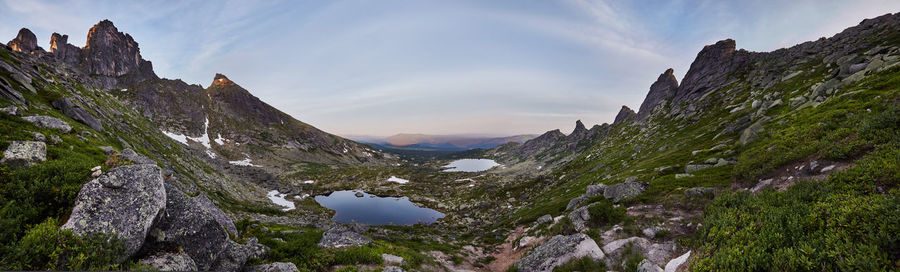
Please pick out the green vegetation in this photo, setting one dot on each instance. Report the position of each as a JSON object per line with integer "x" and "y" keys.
{"x": 46, "y": 247}
{"x": 603, "y": 213}
{"x": 581, "y": 264}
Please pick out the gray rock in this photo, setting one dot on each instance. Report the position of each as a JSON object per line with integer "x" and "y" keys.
{"x": 660, "y": 253}
{"x": 594, "y": 190}
{"x": 755, "y": 104}
{"x": 49, "y": 122}
{"x": 11, "y": 110}
{"x": 108, "y": 150}
{"x": 127, "y": 210}
{"x": 544, "y": 219}
{"x": 54, "y": 139}
{"x": 391, "y": 268}
{"x": 25, "y": 42}
{"x": 272, "y": 267}
{"x": 136, "y": 158}
{"x": 559, "y": 250}
{"x": 615, "y": 249}
{"x": 75, "y": 111}
{"x": 234, "y": 256}
{"x": 648, "y": 266}
{"x": 650, "y": 232}
{"x": 700, "y": 192}
{"x": 673, "y": 264}
{"x": 165, "y": 261}
{"x": 751, "y": 133}
{"x": 580, "y": 217}
{"x": 624, "y": 114}
{"x": 340, "y": 236}
{"x": 663, "y": 89}
{"x": 857, "y": 67}
{"x": 195, "y": 225}
{"x": 37, "y": 136}
{"x": 24, "y": 153}
{"x": 761, "y": 185}
{"x": 680, "y": 176}
{"x": 388, "y": 258}
{"x": 623, "y": 191}
{"x": 575, "y": 202}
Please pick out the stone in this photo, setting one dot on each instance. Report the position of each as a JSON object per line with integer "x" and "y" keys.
{"x": 700, "y": 192}
{"x": 680, "y": 176}
{"x": 827, "y": 169}
{"x": 751, "y": 133}
{"x": 76, "y": 112}
{"x": 650, "y": 232}
{"x": 648, "y": 266}
{"x": 11, "y": 110}
{"x": 37, "y": 136}
{"x": 132, "y": 156}
{"x": 108, "y": 150}
{"x": 594, "y": 190}
{"x": 544, "y": 219}
{"x": 857, "y": 67}
{"x": 761, "y": 185}
{"x": 128, "y": 208}
{"x": 273, "y": 267}
{"x": 575, "y": 202}
{"x": 580, "y": 217}
{"x": 673, "y": 265}
{"x": 755, "y": 104}
{"x": 625, "y": 190}
{"x": 388, "y": 258}
{"x": 615, "y": 249}
{"x": 193, "y": 224}
{"x": 24, "y": 153}
{"x": 391, "y": 268}
{"x": 54, "y": 139}
{"x": 49, "y": 122}
{"x": 109, "y": 52}
{"x": 234, "y": 256}
{"x": 165, "y": 261}
{"x": 358, "y": 194}
{"x": 559, "y": 250}
{"x": 25, "y": 42}
{"x": 660, "y": 253}
{"x": 696, "y": 167}
{"x": 663, "y": 89}
{"x": 340, "y": 236}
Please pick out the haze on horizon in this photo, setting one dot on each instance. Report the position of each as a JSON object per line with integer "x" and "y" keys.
{"x": 439, "y": 67}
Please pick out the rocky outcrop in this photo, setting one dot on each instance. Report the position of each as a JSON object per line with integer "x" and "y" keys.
{"x": 546, "y": 140}
{"x": 75, "y": 111}
{"x": 700, "y": 192}
{"x": 625, "y": 190}
{"x": 710, "y": 70}
{"x": 24, "y": 153}
{"x": 272, "y": 267}
{"x": 340, "y": 236}
{"x": 25, "y": 42}
{"x": 49, "y": 122}
{"x": 134, "y": 157}
{"x": 125, "y": 201}
{"x": 559, "y": 250}
{"x": 235, "y": 256}
{"x": 166, "y": 261}
{"x": 109, "y": 52}
{"x": 590, "y": 191}
{"x": 579, "y": 133}
{"x": 62, "y": 50}
{"x": 662, "y": 90}
{"x": 624, "y": 114}
{"x": 195, "y": 225}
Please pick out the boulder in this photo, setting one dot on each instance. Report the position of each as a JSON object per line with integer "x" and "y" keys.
{"x": 125, "y": 201}
{"x": 340, "y": 236}
{"x": 24, "y": 153}
{"x": 700, "y": 192}
{"x": 673, "y": 265}
{"x": 11, "y": 110}
{"x": 7, "y": 92}
{"x": 696, "y": 167}
{"x": 272, "y": 267}
{"x": 575, "y": 202}
{"x": 580, "y": 217}
{"x": 392, "y": 268}
{"x": 234, "y": 256}
{"x": 660, "y": 253}
{"x": 615, "y": 249}
{"x": 130, "y": 155}
{"x": 625, "y": 190}
{"x": 165, "y": 261}
{"x": 49, "y": 122}
{"x": 388, "y": 258}
{"x": 752, "y": 132}
{"x": 75, "y": 111}
{"x": 544, "y": 219}
{"x": 594, "y": 190}
{"x": 559, "y": 250}
{"x": 195, "y": 225}
{"x": 648, "y": 266}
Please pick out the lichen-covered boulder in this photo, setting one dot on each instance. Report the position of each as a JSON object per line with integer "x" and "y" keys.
{"x": 234, "y": 256}
{"x": 130, "y": 155}
{"x": 340, "y": 236}
{"x": 700, "y": 192}
{"x": 166, "y": 261}
{"x": 559, "y": 250}
{"x": 75, "y": 111}
{"x": 272, "y": 267}
{"x": 49, "y": 122}
{"x": 24, "y": 153}
{"x": 125, "y": 201}
{"x": 625, "y": 190}
{"x": 195, "y": 225}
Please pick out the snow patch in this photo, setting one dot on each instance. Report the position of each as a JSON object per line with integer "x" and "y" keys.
{"x": 309, "y": 181}
{"x": 244, "y": 162}
{"x": 278, "y": 199}
{"x": 398, "y": 180}
{"x": 211, "y": 154}
{"x": 219, "y": 140}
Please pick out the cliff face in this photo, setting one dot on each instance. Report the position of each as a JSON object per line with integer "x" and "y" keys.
{"x": 662, "y": 90}
{"x": 112, "y": 53}
{"x": 25, "y": 42}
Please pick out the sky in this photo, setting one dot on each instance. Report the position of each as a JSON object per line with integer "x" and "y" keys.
{"x": 439, "y": 67}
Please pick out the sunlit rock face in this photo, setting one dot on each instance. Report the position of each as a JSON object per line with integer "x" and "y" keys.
{"x": 61, "y": 49}
{"x": 112, "y": 53}
{"x": 25, "y": 42}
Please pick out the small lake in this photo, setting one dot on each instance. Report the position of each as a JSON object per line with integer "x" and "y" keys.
{"x": 376, "y": 210}
{"x": 470, "y": 165}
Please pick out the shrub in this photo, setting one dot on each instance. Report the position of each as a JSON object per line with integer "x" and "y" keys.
{"x": 581, "y": 264}
{"x": 47, "y": 247}
{"x": 603, "y": 213}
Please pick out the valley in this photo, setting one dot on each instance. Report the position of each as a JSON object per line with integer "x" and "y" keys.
{"x": 786, "y": 160}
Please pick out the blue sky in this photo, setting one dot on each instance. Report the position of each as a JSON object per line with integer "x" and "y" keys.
{"x": 439, "y": 67}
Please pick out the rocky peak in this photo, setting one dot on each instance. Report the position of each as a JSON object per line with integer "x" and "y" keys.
{"x": 25, "y": 42}
{"x": 624, "y": 114}
{"x": 579, "y": 128}
{"x": 61, "y": 49}
{"x": 222, "y": 80}
{"x": 663, "y": 89}
{"x": 710, "y": 69}
{"x": 109, "y": 52}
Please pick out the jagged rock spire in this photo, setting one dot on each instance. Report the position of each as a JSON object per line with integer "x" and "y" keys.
{"x": 663, "y": 89}
{"x": 109, "y": 52}
{"x": 61, "y": 49}
{"x": 221, "y": 79}
{"x": 579, "y": 128}
{"x": 710, "y": 69}
{"x": 624, "y": 115}
{"x": 25, "y": 42}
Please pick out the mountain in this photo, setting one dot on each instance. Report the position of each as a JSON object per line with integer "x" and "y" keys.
{"x": 446, "y": 142}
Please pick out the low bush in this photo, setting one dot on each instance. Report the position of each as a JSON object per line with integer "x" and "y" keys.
{"x": 604, "y": 213}
{"x": 46, "y": 247}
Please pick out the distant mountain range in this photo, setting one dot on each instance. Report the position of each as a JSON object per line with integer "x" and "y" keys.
{"x": 441, "y": 142}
